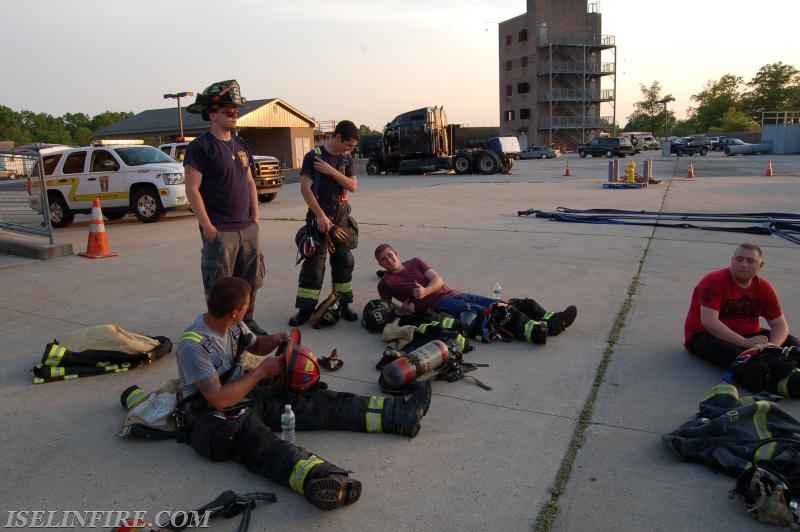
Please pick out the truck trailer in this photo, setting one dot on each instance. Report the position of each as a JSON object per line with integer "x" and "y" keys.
{"x": 420, "y": 142}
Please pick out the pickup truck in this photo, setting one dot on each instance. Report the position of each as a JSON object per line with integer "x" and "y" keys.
{"x": 690, "y": 146}
{"x": 266, "y": 170}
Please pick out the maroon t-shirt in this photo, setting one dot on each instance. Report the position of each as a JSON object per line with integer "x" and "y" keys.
{"x": 739, "y": 308}
{"x": 400, "y": 285}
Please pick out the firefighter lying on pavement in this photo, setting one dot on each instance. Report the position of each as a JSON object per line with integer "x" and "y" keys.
{"x": 419, "y": 288}
{"x": 230, "y": 414}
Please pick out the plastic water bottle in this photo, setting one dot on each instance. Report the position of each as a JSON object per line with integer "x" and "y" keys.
{"x": 287, "y": 424}
{"x": 498, "y": 290}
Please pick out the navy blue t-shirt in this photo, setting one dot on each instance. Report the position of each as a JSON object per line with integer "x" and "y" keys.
{"x": 329, "y": 194}
{"x": 225, "y": 188}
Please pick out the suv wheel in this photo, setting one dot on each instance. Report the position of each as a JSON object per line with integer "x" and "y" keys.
{"x": 703, "y": 151}
{"x": 679, "y": 152}
{"x": 147, "y": 205}
{"x": 60, "y": 213}
{"x": 582, "y": 153}
{"x": 266, "y": 198}
{"x": 609, "y": 154}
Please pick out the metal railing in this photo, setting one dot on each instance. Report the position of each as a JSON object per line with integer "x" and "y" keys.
{"x": 19, "y": 211}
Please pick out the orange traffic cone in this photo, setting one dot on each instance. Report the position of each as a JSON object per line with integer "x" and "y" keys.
{"x": 97, "y": 247}
{"x": 768, "y": 173}
{"x": 567, "y": 171}
{"x": 690, "y": 173}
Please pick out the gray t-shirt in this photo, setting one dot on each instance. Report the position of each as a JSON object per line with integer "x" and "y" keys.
{"x": 203, "y": 352}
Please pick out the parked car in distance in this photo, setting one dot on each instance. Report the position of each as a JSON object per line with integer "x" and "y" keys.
{"x": 536, "y": 152}
{"x": 647, "y": 143}
{"x": 608, "y": 146}
{"x": 740, "y": 147}
{"x": 690, "y": 146}
{"x": 715, "y": 142}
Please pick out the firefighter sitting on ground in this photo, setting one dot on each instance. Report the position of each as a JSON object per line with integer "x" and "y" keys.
{"x": 724, "y": 320}
{"x": 230, "y": 414}
{"x": 418, "y": 287}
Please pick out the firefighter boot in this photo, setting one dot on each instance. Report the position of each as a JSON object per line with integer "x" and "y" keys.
{"x": 535, "y": 332}
{"x": 300, "y": 318}
{"x": 402, "y": 416}
{"x": 347, "y": 313}
{"x": 557, "y": 322}
{"x": 329, "y": 487}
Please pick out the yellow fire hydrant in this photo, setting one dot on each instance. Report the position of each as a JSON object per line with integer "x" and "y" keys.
{"x": 630, "y": 172}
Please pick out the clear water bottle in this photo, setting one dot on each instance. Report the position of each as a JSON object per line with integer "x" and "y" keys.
{"x": 498, "y": 290}
{"x": 287, "y": 424}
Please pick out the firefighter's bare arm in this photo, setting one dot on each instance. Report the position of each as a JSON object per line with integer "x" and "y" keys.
{"x": 267, "y": 343}
{"x": 194, "y": 178}
{"x": 712, "y": 324}
{"x": 253, "y": 195}
{"x": 221, "y": 396}
{"x": 435, "y": 282}
{"x": 349, "y": 183}
{"x": 778, "y": 330}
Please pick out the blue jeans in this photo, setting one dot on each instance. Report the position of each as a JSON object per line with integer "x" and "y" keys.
{"x": 456, "y": 305}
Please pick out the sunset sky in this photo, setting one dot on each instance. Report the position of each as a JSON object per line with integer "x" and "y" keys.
{"x": 366, "y": 61}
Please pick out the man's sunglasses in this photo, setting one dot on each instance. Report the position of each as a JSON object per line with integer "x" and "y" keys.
{"x": 230, "y": 112}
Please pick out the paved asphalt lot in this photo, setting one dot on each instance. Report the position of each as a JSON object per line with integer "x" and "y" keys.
{"x": 484, "y": 460}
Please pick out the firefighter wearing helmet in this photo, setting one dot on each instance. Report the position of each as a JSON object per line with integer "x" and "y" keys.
{"x": 230, "y": 414}
{"x": 223, "y": 195}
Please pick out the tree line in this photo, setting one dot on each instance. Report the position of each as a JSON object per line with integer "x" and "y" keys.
{"x": 72, "y": 129}
{"x": 726, "y": 104}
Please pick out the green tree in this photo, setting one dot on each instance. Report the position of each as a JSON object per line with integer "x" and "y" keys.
{"x": 735, "y": 120}
{"x": 648, "y": 113}
{"x": 10, "y": 126}
{"x": 716, "y": 98}
{"x": 364, "y": 129}
{"x": 775, "y": 87}
{"x": 42, "y": 127}
{"x": 107, "y": 118}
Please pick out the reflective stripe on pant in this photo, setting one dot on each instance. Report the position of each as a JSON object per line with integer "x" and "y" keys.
{"x": 312, "y": 276}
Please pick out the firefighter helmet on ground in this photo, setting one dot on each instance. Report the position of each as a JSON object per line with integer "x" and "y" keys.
{"x": 377, "y": 313}
{"x": 302, "y": 368}
{"x": 327, "y": 313}
{"x": 216, "y": 95}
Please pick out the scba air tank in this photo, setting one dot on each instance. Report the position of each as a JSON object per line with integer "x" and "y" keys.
{"x": 418, "y": 362}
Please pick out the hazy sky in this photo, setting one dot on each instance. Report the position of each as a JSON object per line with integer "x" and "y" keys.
{"x": 366, "y": 61}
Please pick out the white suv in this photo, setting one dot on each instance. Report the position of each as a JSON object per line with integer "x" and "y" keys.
{"x": 127, "y": 178}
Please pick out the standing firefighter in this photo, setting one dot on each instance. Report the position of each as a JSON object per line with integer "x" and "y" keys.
{"x": 327, "y": 175}
{"x": 229, "y": 414}
{"x": 223, "y": 195}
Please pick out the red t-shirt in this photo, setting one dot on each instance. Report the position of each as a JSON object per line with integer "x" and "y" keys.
{"x": 739, "y": 308}
{"x": 400, "y": 285}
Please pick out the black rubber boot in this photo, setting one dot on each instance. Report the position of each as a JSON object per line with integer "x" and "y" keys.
{"x": 332, "y": 491}
{"x": 557, "y": 322}
{"x": 347, "y": 314}
{"x": 300, "y": 318}
{"x": 255, "y": 327}
{"x": 402, "y": 416}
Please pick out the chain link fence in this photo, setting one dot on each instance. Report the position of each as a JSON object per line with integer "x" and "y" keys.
{"x": 19, "y": 211}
